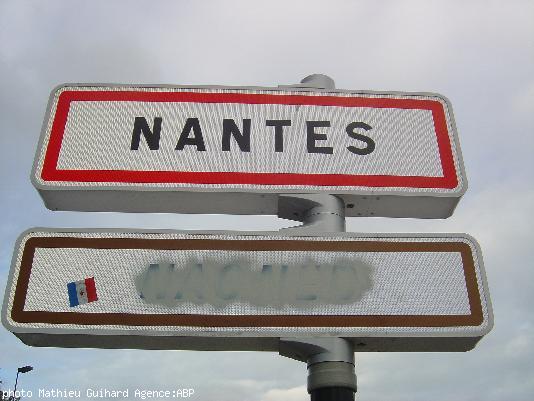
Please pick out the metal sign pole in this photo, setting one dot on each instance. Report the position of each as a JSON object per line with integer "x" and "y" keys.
{"x": 330, "y": 361}
{"x": 331, "y": 375}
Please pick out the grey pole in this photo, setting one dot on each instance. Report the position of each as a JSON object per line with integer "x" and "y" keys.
{"x": 315, "y": 81}
{"x": 319, "y": 213}
{"x": 330, "y": 360}
{"x": 319, "y": 81}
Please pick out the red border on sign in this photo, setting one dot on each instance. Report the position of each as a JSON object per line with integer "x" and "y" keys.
{"x": 50, "y": 172}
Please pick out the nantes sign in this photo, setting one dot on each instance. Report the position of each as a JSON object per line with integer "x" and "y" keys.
{"x": 238, "y": 290}
{"x": 162, "y": 149}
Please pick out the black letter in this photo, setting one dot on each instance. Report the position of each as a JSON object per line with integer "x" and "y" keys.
{"x": 242, "y": 139}
{"x": 278, "y": 132}
{"x": 197, "y": 139}
{"x": 152, "y": 139}
{"x": 370, "y": 143}
{"x": 313, "y": 136}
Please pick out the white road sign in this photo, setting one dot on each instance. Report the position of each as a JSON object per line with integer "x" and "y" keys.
{"x": 234, "y": 290}
{"x": 233, "y": 150}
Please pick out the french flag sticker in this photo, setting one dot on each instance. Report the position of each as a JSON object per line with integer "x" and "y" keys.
{"x": 82, "y": 292}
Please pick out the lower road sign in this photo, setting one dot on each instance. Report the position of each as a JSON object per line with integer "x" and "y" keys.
{"x": 243, "y": 290}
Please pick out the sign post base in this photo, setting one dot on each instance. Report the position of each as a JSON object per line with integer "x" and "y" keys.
{"x": 330, "y": 362}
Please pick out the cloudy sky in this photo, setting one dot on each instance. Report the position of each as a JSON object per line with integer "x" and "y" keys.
{"x": 480, "y": 54}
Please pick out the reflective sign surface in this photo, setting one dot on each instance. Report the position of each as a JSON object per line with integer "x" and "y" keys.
{"x": 262, "y": 141}
{"x": 247, "y": 285}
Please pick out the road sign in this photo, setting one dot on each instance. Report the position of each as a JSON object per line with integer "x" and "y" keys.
{"x": 238, "y": 290}
{"x": 234, "y": 149}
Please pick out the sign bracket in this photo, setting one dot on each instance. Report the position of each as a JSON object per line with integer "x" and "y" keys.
{"x": 317, "y": 212}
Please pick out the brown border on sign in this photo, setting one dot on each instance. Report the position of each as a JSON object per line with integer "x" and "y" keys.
{"x": 19, "y": 315}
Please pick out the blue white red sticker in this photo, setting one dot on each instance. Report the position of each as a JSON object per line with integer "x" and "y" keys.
{"x": 82, "y": 292}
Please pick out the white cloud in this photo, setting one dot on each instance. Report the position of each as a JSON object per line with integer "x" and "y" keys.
{"x": 292, "y": 394}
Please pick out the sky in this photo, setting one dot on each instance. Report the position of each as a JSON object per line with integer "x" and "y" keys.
{"x": 479, "y": 54}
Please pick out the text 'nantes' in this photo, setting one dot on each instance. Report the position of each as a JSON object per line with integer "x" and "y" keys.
{"x": 192, "y": 135}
